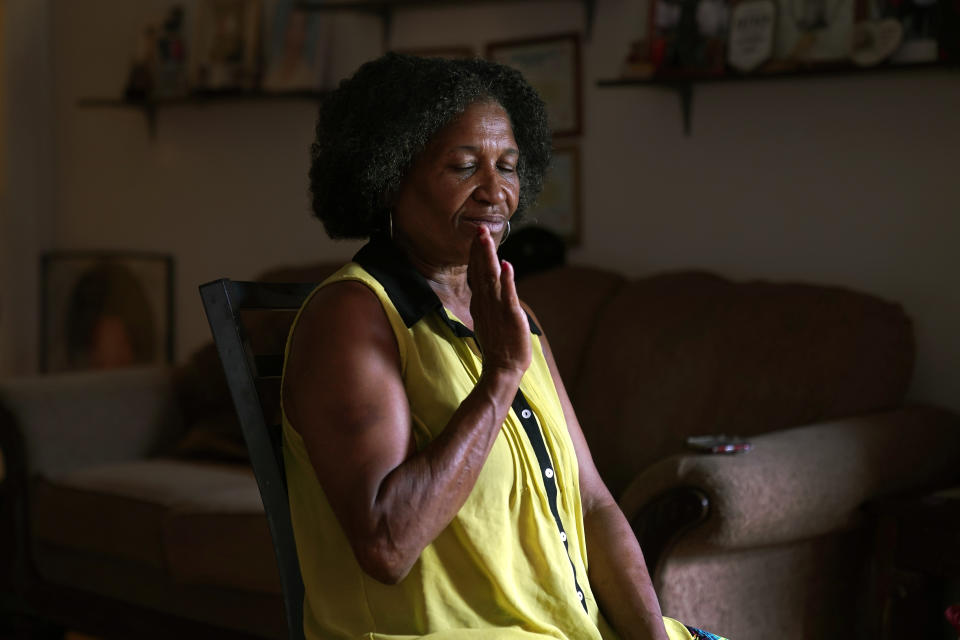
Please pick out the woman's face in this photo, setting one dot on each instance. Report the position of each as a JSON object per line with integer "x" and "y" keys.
{"x": 465, "y": 177}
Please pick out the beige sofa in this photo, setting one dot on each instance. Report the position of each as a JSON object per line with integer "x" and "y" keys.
{"x": 140, "y": 495}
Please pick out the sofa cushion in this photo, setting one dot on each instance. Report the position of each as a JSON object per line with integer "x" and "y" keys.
{"x": 567, "y": 301}
{"x": 167, "y": 514}
{"x": 688, "y": 353}
{"x": 100, "y": 521}
{"x": 222, "y": 539}
{"x": 248, "y": 613}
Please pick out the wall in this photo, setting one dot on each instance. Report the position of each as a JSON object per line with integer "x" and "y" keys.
{"x": 26, "y": 203}
{"x": 843, "y": 180}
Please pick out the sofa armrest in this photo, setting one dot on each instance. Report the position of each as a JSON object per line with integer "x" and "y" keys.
{"x": 808, "y": 481}
{"x": 76, "y": 420}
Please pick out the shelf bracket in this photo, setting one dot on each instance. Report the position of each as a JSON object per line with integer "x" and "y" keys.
{"x": 150, "y": 112}
{"x": 685, "y": 93}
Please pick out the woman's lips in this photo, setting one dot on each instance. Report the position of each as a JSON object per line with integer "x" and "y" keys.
{"x": 494, "y": 224}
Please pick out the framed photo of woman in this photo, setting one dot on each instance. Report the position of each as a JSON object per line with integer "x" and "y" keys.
{"x": 551, "y": 64}
{"x": 105, "y": 310}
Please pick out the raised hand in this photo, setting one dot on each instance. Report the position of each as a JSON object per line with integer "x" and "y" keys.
{"x": 499, "y": 321}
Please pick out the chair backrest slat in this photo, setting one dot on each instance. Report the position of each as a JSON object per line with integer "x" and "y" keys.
{"x": 269, "y": 295}
{"x": 248, "y": 376}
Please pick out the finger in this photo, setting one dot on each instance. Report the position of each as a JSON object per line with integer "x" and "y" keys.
{"x": 475, "y": 270}
{"x": 508, "y": 285}
{"x": 484, "y": 264}
{"x": 472, "y": 262}
{"x": 491, "y": 258}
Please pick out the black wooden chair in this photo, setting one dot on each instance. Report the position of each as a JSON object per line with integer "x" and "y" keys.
{"x": 254, "y": 380}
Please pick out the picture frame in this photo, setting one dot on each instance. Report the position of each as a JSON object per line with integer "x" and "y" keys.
{"x": 559, "y": 206}
{"x": 298, "y": 48}
{"x": 105, "y": 309}
{"x": 226, "y": 45}
{"x": 552, "y": 65}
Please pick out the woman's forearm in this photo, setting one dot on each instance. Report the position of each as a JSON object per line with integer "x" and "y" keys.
{"x": 421, "y": 496}
{"x": 619, "y": 577}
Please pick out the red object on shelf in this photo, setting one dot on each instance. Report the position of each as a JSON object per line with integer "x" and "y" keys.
{"x": 953, "y": 616}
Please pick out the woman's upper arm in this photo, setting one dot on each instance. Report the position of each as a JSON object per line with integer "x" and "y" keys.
{"x": 344, "y": 395}
{"x": 593, "y": 491}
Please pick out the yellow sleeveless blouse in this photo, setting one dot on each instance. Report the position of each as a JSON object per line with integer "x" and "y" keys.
{"x": 500, "y": 569}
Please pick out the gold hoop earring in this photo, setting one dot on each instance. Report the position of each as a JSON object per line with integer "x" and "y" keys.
{"x": 390, "y": 224}
{"x": 505, "y": 235}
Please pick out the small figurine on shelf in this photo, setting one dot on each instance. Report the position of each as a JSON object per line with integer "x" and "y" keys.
{"x": 171, "y": 58}
{"x": 637, "y": 64}
{"x": 689, "y": 36}
{"x": 140, "y": 79}
{"x": 159, "y": 68}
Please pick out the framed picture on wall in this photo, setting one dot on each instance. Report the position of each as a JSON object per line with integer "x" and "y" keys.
{"x": 558, "y": 207}
{"x": 450, "y": 53}
{"x": 105, "y": 310}
{"x": 226, "y": 49}
{"x": 551, "y": 65}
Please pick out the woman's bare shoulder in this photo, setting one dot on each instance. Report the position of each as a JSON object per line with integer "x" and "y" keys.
{"x": 343, "y": 314}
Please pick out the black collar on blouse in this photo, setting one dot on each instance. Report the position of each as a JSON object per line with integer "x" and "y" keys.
{"x": 406, "y": 288}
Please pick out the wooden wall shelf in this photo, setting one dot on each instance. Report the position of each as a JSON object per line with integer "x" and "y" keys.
{"x": 195, "y": 99}
{"x": 385, "y": 8}
{"x": 683, "y": 84}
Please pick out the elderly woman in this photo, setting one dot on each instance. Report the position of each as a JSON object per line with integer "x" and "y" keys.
{"x": 439, "y": 482}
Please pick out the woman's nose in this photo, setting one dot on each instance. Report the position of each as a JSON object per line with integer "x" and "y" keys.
{"x": 491, "y": 188}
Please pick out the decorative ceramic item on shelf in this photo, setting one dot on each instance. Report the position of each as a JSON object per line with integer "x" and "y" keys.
{"x": 920, "y": 26}
{"x": 875, "y": 40}
{"x": 814, "y": 31}
{"x": 752, "y": 26}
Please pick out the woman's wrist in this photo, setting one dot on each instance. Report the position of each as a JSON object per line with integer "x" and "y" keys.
{"x": 500, "y": 383}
